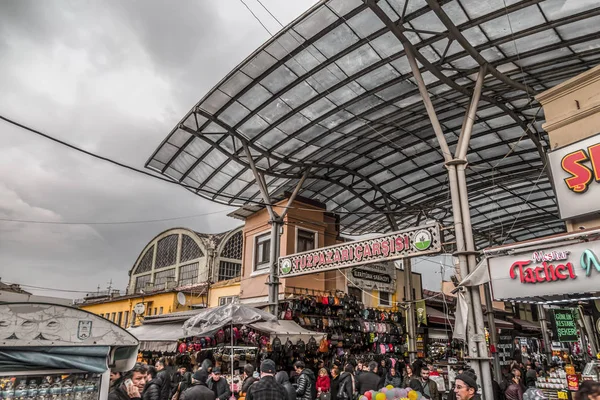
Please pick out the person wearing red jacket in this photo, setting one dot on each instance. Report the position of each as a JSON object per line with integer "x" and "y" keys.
{"x": 323, "y": 382}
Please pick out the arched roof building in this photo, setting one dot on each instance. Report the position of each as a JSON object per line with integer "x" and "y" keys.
{"x": 180, "y": 257}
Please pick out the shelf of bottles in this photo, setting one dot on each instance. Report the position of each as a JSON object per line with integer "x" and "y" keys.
{"x": 50, "y": 387}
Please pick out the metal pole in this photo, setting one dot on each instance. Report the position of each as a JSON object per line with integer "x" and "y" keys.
{"x": 273, "y": 273}
{"x": 547, "y": 342}
{"x": 489, "y": 305}
{"x": 410, "y": 314}
{"x": 483, "y": 360}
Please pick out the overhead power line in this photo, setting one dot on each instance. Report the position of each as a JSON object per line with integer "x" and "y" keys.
{"x": 29, "y": 221}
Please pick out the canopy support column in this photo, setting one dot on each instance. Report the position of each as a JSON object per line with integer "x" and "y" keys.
{"x": 462, "y": 221}
{"x": 410, "y": 310}
{"x": 276, "y": 222}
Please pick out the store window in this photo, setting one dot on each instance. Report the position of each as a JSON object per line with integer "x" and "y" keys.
{"x": 113, "y": 317}
{"x": 228, "y": 300}
{"x": 228, "y": 270}
{"x": 262, "y": 249}
{"x": 166, "y": 251}
{"x": 120, "y": 318}
{"x": 126, "y": 318}
{"x": 385, "y": 299}
{"x": 141, "y": 282}
{"x": 101, "y": 315}
{"x": 188, "y": 274}
{"x": 155, "y": 311}
{"x": 306, "y": 241}
{"x": 160, "y": 311}
{"x": 163, "y": 277}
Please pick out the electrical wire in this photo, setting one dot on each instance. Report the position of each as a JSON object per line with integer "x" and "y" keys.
{"x": 25, "y": 221}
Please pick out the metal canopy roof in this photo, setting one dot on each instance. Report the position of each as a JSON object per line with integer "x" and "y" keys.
{"x": 333, "y": 93}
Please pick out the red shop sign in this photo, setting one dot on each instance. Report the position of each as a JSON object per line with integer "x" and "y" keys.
{"x": 548, "y": 267}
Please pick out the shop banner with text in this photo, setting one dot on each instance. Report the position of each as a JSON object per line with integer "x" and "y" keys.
{"x": 417, "y": 241}
{"x": 564, "y": 325}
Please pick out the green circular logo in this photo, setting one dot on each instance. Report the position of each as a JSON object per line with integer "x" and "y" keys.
{"x": 286, "y": 266}
{"x": 422, "y": 240}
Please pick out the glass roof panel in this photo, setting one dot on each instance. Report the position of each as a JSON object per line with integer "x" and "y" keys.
{"x": 315, "y": 22}
{"x": 357, "y": 60}
{"x": 335, "y": 41}
{"x": 365, "y": 23}
{"x": 386, "y": 133}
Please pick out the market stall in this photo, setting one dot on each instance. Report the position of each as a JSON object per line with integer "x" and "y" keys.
{"x": 59, "y": 351}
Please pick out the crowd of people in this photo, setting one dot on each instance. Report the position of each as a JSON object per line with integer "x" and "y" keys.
{"x": 348, "y": 383}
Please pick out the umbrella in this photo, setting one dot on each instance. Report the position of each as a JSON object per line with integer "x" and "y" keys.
{"x": 209, "y": 321}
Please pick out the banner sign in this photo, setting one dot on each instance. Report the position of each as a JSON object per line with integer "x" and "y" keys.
{"x": 564, "y": 326}
{"x": 576, "y": 177}
{"x": 411, "y": 242}
{"x": 380, "y": 276}
{"x": 560, "y": 270}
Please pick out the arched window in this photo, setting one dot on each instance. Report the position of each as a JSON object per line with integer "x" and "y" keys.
{"x": 145, "y": 264}
{"x": 190, "y": 249}
{"x": 233, "y": 247}
{"x": 166, "y": 251}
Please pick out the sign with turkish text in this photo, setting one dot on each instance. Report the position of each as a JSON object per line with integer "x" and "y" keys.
{"x": 565, "y": 269}
{"x": 411, "y": 242}
{"x": 564, "y": 326}
{"x": 576, "y": 176}
{"x": 379, "y": 276}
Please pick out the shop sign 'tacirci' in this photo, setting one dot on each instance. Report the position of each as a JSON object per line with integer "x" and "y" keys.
{"x": 411, "y": 242}
{"x": 576, "y": 177}
{"x": 573, "y": 268}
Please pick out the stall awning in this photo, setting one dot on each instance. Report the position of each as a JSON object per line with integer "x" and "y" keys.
{"x": 158, "y": 337}
{"x": 438, "y": 317}
{"x": 527, "y": 325}
{"x": 287, "y": 329}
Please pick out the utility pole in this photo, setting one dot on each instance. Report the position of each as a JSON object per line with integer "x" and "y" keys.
{"x": 410, "y": 313}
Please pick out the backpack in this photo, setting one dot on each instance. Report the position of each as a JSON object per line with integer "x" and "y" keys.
{"x": 323, "y": 346}
{"x": 311, "y": 346}
{"x": 276, "y": 345}
{"x": 289, "y": 348}
{"x": 301, "y": 346}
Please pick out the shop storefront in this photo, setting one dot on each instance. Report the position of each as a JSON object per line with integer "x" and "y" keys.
{"x": 559, "y": 276}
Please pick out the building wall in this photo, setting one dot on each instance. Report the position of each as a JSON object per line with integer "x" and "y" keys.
{"x": 572, "y": 111}
{"x": 301, "y": 216}
{"x": 160, "y": 303}
{"x": 226, "y": 290}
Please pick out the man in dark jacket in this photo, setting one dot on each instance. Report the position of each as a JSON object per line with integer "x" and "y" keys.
{"x": 284, "y": 380}
{"x": 249, "y": 379}
{"x": 346, "y": 385}
{"x": 219, "y": 385}
{"x": 153, "y": 386}
{"x": 177, "y": 378}
{"x": 306, "y": 383}
{"x": 369, "y": 380}
{"x": 515, "y": 390}
{"x": 164, "y": 380}
{"x": 430, "y": 388}
{"x": 198, "y": 391}
{"x": 138, "y": 376}
{"x": 266, "y": 388}
{"x": 465, "y": 386}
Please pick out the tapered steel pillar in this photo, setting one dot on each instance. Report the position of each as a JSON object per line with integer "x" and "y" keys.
{"x": 411, "y": 326}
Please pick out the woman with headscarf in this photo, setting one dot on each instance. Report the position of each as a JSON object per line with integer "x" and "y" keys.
{"x": 392, "y": 378}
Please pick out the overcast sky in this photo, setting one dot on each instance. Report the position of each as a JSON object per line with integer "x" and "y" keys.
{"x": 113, "y": 77}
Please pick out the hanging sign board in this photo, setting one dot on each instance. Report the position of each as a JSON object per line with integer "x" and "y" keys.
{"x": 576, "y": 177}
{"x": 557, "y": 270}
{"x": 380, "y": 276}
{"x": 564, "y": 326}
{"x": 411, "y": 242}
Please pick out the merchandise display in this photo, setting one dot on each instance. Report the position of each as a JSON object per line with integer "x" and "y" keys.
{"x": 50, "y": 387}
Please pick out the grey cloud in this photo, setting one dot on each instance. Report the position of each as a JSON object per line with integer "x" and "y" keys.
{"x": 113, "y": 77}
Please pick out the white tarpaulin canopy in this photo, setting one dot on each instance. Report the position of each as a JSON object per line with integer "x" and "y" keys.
{"x": 158, "y": 337}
